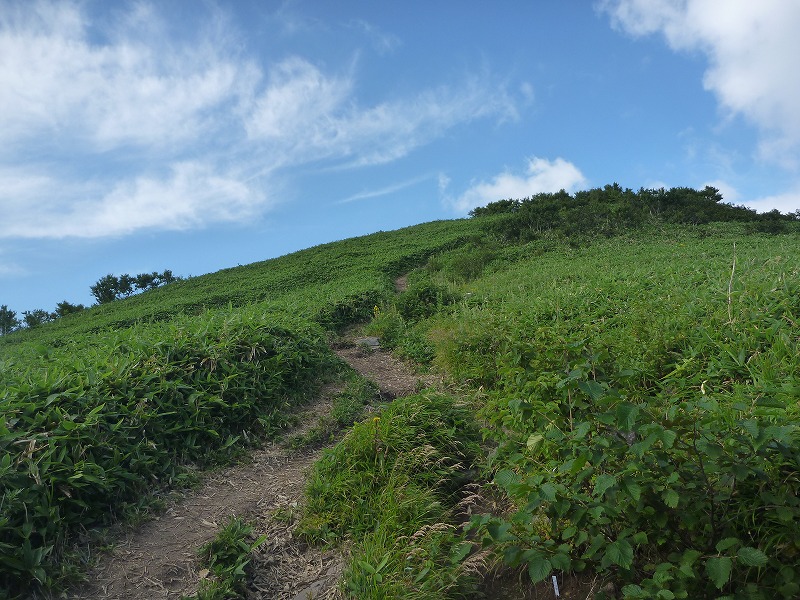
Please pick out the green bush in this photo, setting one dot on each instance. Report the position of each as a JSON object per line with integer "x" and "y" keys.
{"x": 90, "y": 430}
{"x": 424, "y": 300}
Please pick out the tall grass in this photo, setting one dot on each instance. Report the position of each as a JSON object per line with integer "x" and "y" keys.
{"x": 388, "y": 488}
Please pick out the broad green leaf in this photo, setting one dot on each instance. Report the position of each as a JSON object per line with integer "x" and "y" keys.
{"x": 726, "y": 543}
{"x": 690, "y": 556}
{"x": 626, "y": 416}
{"x": 633, "y": 489}
{"x": 561, "y": 561}
{"x": 458, "y": 552}
{"x": 506, "y": 477}
{"x": 592, "y": 389}
{"x": 639, "y": 537}
{"x": 718, "y": 569}
{"x": 548, "y": 491}
{"x": 534, "y": 442}
{"x": 667, "y": 437}
{"x": 751, "y": 557}
{"x": 619, "y": 553}
{"x": 539, "y": 568}
{"x": 671, "y": 498}
{"x": 603, "y": 483}
{"x": 499, "y": 531}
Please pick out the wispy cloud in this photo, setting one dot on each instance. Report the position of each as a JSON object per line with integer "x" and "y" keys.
{"x": 117, "y": 125}
{"x": 541, "y": 175}
{"x": 751, "y": 48}
{"x": 59, "y": 85}
{"x": 382, "y": 41}
{"x": 385, "y": 191}
{"x": 305, "y": 115}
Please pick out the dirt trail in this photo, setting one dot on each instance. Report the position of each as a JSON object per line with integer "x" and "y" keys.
{"x": 159, "y": 559}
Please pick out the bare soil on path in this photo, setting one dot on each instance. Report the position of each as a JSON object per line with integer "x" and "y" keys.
{"x": 158, "y": 560}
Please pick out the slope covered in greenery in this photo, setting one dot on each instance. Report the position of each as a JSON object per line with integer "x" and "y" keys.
{"x": 331, "y": 284}
{"x": 641, "y": 393}
{"x": 101, "y": 407}
{"x": 633, "y": 360}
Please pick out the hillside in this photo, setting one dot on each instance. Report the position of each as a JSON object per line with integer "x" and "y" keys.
{"x": 633, "y": 372}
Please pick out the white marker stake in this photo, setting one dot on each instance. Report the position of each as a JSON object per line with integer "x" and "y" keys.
{"x": 555, "y": 586}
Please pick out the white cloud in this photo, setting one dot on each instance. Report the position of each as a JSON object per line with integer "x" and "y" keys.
{"x": 752, "y": 48}
{"x": 190, "y": 195}
{"x": 55, "y": 82}
{"x": 9, "y": 268}
{"x": 299, "y": 106}
{"x": 787, "y": 202}
{"x": 385, "y": 191}
{"x": 541, "y": 175}
{"x": 383, "y": 42}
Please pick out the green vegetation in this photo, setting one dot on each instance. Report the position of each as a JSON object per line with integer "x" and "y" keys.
{"x": 226, "y": 557}
{"x": 389, "y": 487}
{"x": 332, "y": 284}
{"x": 644, "y": 406}
{"x": 347, "y": 407}
{"x": 90, "y": 429}
{"x": 104, "y": 408}
{"x": 638, "y": 388}
{"x": 631, "y": 357}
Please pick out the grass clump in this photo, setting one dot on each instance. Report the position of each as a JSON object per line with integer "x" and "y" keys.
{"x": 226, "y": 557}
{"x": 389, "y": 488}
{"x": 348, "y": 406}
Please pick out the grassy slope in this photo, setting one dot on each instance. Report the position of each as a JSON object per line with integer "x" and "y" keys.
{"x": 310, "y": 283}
{"x": 631, "y": 327}
{"x": 642, "y": 392}
{"x": 100, "y": 408}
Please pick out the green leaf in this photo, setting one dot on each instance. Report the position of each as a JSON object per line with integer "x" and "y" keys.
{"x": 639, "y": 538}
{"x": 534, "y": 442}
{"x": 730, "y": 542}
{"x": 548, "y": 491}
{"x": 506, "y": 477}
{"x": 421, "y": 575}
{"x": 592, "y": 389}
{"x": 499, "y": 531}
{"x": 619, "y": 553}
{"x": 626, "y": 416}
{"x": 560, "y": 561}
{"x": 602, "y": 484}
{"x": 634, "y": 489}
{"x": 671, "y": 498}
{"x": 718, "y": 569}
{"x": 667, "y": 437}
{"x": 366, "y": 566}
{"x": 539, "y": 568}
{"x": 752, "y": 557}
{"x": 458, "y": 552}
{"x": 690, "y": 556}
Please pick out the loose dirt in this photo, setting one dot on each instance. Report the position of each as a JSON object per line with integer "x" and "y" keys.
{"x": 158, "y": 560}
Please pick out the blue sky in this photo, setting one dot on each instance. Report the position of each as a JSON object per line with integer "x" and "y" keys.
{"x": 196, "y": 135}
